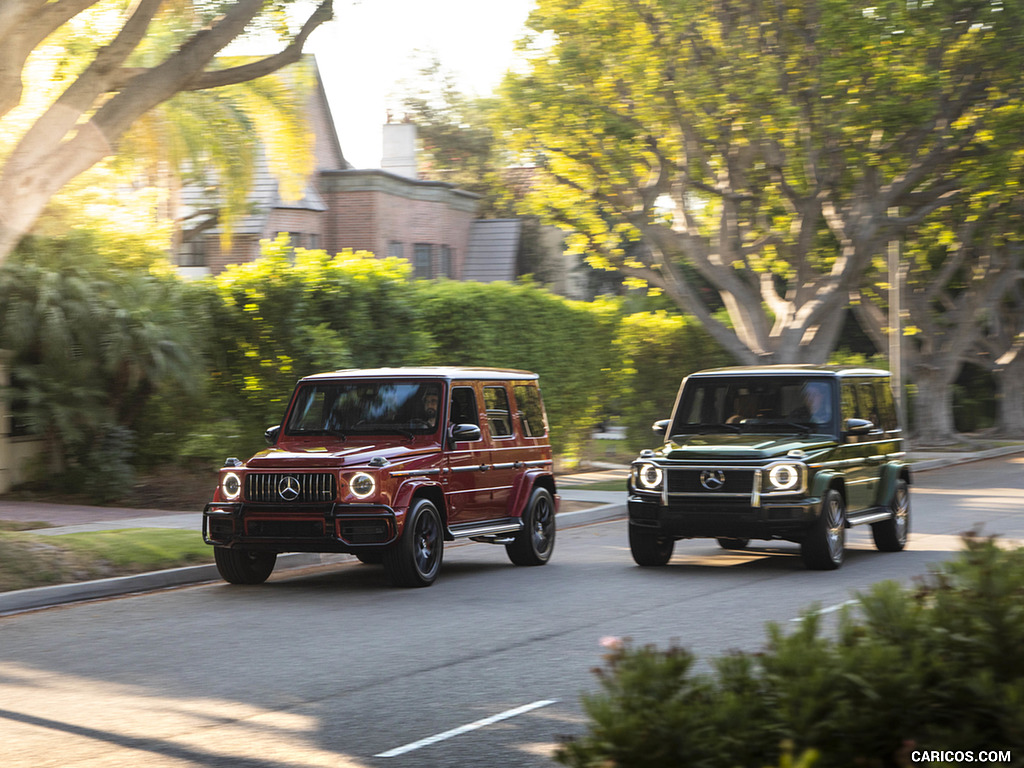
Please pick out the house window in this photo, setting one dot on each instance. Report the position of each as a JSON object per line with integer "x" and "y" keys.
{"x": 396, "y": 249}
{"x": 193, "y": 252}
{"x": 314, "y": 242}
{"x": 422, "y": 261}
{"x": 445, "y": 267}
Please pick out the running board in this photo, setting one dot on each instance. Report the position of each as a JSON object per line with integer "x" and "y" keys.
{"x": 488, "y": 528}
{"x": 869, "y": 516}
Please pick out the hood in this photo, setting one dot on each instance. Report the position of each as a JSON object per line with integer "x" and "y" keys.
{"x": 749, "y": 447}
{"x": 337, "y": 456}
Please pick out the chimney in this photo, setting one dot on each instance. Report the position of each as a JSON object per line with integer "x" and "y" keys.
{"x": 400, "y": 149}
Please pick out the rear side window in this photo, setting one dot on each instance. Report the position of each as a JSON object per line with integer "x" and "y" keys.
{"x": 886, "y": 406}
{"x": 531, "y": 410}
{"x": 499, "y": 418}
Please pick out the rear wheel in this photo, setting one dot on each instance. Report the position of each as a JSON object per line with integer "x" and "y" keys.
{"x": 825, "y": 545}
{"x": 242, "y": 566}
{"x": 649, "y": 548}
{"x": 534, "y": 544}
{"x": 891, "y": 535}
{"x": 415, "y": 559}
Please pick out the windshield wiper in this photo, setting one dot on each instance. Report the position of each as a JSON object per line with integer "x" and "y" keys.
{"x": 388, "y": 431}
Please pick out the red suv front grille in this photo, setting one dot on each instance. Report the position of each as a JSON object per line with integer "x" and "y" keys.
{"x": 291, "y": 487}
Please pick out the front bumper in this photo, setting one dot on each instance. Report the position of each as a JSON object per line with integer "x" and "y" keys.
{"x": 299, "y": 528}
{"x": 733, "y": 519}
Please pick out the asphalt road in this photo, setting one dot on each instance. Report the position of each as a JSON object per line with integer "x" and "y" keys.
{"x": 333, "y": 668}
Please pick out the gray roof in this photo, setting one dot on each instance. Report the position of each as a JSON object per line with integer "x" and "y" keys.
{"x": 493, "y": 250}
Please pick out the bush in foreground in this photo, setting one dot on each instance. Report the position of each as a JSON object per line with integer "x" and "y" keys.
{"x": 936, "y": 667}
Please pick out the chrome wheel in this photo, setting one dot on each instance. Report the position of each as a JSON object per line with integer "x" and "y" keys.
{"x": 824, "y": 545}
{"x": 891, "y": 535}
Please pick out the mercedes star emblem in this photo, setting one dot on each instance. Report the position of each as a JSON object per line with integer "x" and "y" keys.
{"x": 712, "y": 479}
{"x": 288, "y": 488}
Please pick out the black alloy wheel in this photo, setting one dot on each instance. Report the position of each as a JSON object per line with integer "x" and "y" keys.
{"x": 415, "y": 559}
{"x": 534, "y": 544}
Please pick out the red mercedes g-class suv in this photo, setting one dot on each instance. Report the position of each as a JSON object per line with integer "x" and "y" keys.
{"x": 388, "y": 464}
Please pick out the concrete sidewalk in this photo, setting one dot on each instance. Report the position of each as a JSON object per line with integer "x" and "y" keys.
{"x": 580, "y": 507}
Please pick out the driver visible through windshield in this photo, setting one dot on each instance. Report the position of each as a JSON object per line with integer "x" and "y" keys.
{"x": 757, "y": 404}
{"x": 353, "y": 407}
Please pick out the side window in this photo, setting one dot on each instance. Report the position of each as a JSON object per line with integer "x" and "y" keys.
{"x": 464, "y": 410}
{"x": 849, "y": 402}
{"x": 499, "y": 419}
{"x": 886, "y": 406}
{"x": 866, "y": 403}
{"x": 532, "y": 412}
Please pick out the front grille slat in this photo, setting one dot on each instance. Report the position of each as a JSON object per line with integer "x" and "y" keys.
{"x": 735, "y": 481}
{"x": 290, "y": 487}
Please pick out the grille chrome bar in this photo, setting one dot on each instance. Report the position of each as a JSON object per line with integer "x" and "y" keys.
{"x": 291, "y": 487}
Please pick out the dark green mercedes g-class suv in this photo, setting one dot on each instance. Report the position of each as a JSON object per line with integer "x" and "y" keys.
{"x": 799, "y": 453}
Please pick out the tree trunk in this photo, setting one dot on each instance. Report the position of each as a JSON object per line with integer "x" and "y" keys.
{"x": 933, "y": 405}
{"x": 1010, "y": 398}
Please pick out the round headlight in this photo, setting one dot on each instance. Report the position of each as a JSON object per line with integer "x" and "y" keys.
{"x": 784, "y": 477}
{"x": 649, "y": 476}
{"x": 231, "y": 486}
{"x": 362, "y": 485}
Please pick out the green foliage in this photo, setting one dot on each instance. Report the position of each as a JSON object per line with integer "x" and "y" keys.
{"x": 658, "y": 350}
{"x": 275, "y": 321}
{"x": 569, "y": 343}
{"x": 95, "y": 336}
{"x": 936, "y": 666}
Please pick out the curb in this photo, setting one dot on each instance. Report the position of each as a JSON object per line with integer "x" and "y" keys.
{"x": 36, "y": 598}
{"x": 965, "y": 458}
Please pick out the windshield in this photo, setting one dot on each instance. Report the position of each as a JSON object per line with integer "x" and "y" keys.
{"x": 777, "y": 404}
{"x": 352, "y": 407}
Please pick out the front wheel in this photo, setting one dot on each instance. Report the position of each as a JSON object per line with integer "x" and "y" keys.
{"x": 534, "y": 544}
{"x": 415, "y": 559}
{"x": 891, "y": 535}
{"x": 649, "y": 548}
{"x": 825, "y": 544}
{"x": 241, "y": 566}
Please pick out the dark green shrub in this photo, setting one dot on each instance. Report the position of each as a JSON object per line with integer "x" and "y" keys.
{"x": 937, "y": 667}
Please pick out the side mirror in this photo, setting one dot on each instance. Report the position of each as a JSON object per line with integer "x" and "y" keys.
{"x": 465, "y": 433}
{"x": 271, "y": 434}
{"x": 660, "y": 427}
{"x": 857, "y": 426}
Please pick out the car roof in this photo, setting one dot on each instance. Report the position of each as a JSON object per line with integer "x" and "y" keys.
{"x": 426, "y": 372}
{"x": 799, "y": 369}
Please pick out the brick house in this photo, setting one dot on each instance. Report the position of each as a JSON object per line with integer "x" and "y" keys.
{"x": 388, "y": 211}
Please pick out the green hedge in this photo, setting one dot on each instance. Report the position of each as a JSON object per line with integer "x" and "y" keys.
{"x": 520, "y": 325}
{"x": 658, "y": 350}
{"x": 936, "y": 666}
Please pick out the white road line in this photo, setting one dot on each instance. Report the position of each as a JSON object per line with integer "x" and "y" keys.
{"x": 466, "y": 728}
{"x": 830, "y": 609}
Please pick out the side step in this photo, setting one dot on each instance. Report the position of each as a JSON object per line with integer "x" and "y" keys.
{"x": 489, "y": 531}
{"x": 873, "y": 515}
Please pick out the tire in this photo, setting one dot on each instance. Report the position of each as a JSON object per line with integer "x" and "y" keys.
{"x": 891, "y": 535}
{"x": 650, "y": 549}
{"x": 534, "y": 544}
{"x": 733, "y": 543}
{"x": 243, "y": 566}
{"x": 824, "y": 546}
{"x": 415, "y": 559}
{"x": 370, "y": 558}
